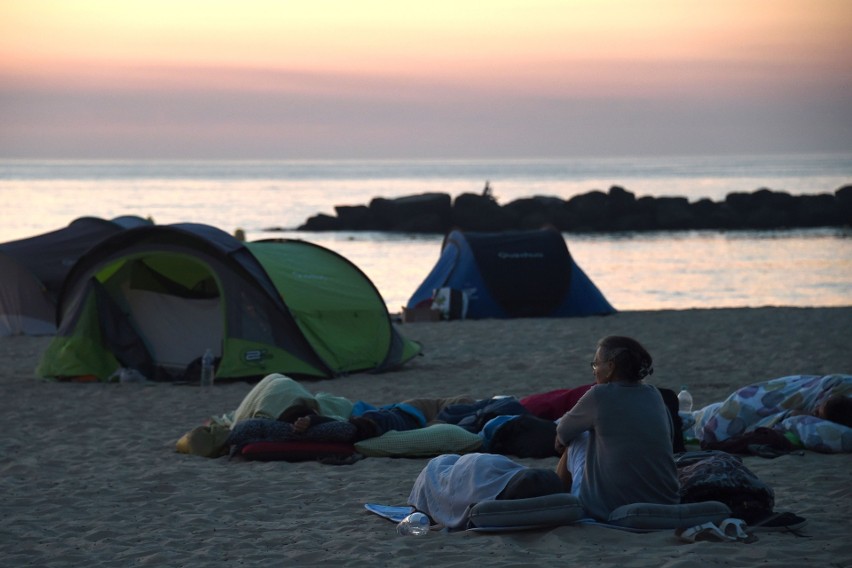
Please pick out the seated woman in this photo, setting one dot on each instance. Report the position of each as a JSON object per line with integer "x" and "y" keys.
{"x": 813, "y": 411}
{"x": 553, "y": 404}
{"x": 451, "y": 484}
{"x": 618, "y": 435}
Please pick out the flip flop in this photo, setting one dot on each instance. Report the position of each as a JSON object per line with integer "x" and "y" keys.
{"x": 780, "y": 522}
{"x": 736, "y": 529}
{"x": 708, "y": 532}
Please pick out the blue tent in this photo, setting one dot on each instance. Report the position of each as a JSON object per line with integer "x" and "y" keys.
{"x": 513, "y": 274}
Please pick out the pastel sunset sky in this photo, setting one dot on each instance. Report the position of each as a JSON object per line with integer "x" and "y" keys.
{"x": 294, "y": 79}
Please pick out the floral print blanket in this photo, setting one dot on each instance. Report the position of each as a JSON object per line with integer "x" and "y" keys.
{"x": 785, "y": 404}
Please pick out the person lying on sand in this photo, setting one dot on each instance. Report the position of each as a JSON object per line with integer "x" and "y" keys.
{"x": 364, "y": 428}
{"x": 836, "y": 408}
{"x": 371, "y": 422}
{"x": 276, "y": 393}
{"x": 812, "y": 411}
{"x": 450, "y": 483}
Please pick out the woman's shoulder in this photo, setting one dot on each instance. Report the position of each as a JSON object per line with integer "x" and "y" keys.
{"x": 623, "y": 387}
{"x": 632, "y": 391}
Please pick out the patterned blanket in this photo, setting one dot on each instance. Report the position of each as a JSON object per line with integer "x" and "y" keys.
{"x": 785, "y": 404}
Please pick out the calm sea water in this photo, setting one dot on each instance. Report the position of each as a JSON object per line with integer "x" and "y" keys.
{"x": 635, "y": 271}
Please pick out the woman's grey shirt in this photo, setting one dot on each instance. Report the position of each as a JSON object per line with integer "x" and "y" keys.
{"x": 629, "y": 458}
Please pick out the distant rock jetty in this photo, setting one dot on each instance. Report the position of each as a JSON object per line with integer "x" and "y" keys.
{"x": 596, "y": 211}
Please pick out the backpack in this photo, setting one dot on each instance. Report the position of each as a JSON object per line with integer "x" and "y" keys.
{"x": 525, "y": 436}
{"x": 719, "y": 476}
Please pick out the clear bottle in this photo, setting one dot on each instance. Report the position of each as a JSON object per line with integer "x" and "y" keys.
{"x": 128, "y": 375}
{"x": 208, "y": 369}
{"x": 684, "y": 400}
{"x": 415, "y": 524}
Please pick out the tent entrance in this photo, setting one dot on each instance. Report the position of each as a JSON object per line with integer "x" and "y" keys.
{"x": 176, "y": 330}
{"x": 173, "y": 303}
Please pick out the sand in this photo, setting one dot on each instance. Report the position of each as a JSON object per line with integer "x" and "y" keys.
{"x": 90, "y": 476}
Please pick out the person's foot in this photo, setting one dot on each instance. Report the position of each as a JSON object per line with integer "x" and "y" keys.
{"x": 301, "y": 425}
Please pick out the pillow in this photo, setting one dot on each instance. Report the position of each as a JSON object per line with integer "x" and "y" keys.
{"x": 267, "y": 430}
{"x": 295, "y": 451}
{"x": 653, "y": 516}
{"x": 423, "y": 442}
{"x": 549, "y": 510}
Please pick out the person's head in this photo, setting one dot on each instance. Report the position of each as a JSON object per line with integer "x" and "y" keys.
{"x": 532, "y": 482}
{"x": 292, "y": 413}
{"x": 621, "y": 359}
{"x": 837, "y": 408}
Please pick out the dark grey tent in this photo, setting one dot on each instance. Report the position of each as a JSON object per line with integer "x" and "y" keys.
{"x": 32, "y": 271}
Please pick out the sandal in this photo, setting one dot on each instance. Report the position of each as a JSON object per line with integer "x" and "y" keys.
{"x": 708, "y": 532}
{"x": 736, "y": 529}
{"x": 780, "y": 522}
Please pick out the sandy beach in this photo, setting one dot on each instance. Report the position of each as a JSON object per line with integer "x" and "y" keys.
{"x": 90, "y": 475}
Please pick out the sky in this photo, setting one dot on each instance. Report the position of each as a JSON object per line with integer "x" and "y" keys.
{"x": 344, "y": 79}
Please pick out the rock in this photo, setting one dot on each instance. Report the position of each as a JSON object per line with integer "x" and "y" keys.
{"x": 357, "y": 218}
{"x": 473, "y": 212}
{"x": 818, "y": 211}
{"x": 843, "y": 196}
{"x": 707, "y": 214}
{"x": 673, "y": 213}
{"x": 321, "y": 222}
{"x": 536, "y": 212}
{"x": 433, "y": 209}
{"x": 588, "y": 212}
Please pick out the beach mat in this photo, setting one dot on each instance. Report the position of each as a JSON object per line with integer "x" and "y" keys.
{"x": 397, "y": 513}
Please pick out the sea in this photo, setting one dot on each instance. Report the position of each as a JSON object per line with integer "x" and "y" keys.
{"x": 634, "y": 270}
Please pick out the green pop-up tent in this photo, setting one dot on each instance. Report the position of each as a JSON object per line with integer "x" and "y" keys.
{"x": 155, "y": 298}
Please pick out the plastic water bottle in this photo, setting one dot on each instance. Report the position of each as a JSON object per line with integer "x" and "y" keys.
{"x": 128, "y": 375}
{"x": 684, "y": 400}
{"x": 208, "y": 371}
{"x": 415, "y": 524}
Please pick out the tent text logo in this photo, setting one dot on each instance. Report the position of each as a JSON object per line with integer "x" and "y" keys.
{"x": 306, "y": 276}
{"x": 256, "y": 356}
{"x": 513, "y": 255}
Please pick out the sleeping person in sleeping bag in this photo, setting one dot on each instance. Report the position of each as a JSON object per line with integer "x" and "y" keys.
{"x": 371, "y": 424}
{"x": 277, "y": 393}
{"x": 371, "y": 421}
{"x": 279, "y": 397}
{"x": 810, "y": 410}
{"x": 451, "y": 484}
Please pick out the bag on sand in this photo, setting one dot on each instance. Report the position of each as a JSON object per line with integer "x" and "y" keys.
{"x": 525, "y": 436}
{"x": 719, "y": 476}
